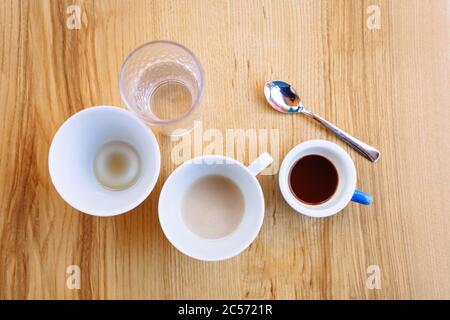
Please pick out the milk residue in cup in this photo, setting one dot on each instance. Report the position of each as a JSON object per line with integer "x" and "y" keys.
{"x": 213, "y": 207}
{"x": 117, "y": 165}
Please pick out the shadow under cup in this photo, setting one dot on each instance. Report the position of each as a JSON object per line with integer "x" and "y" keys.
{"x": 171, "y": 202}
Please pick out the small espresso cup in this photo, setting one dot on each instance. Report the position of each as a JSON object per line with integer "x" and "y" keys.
{"x": 346, "y": 188}
{"x": 171, "y": 206}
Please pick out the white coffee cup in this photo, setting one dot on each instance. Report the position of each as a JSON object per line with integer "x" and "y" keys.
{"x": 72, "y": 154}
{"x": 345, "y": 167}
{"x": 170, "y": 206}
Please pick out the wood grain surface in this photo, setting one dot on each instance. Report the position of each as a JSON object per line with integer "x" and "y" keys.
{"x": 387, "y": 86}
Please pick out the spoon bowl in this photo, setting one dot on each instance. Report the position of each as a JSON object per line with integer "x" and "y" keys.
{"x": 283, "y": 98}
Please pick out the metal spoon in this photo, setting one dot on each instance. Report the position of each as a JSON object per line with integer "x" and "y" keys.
{"x": 283, "y": 98}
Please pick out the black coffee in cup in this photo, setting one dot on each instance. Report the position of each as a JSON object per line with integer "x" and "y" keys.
{"x": 313, "y": 179}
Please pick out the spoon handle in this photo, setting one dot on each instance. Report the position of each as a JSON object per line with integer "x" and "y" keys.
{"x": 369, "y": 152}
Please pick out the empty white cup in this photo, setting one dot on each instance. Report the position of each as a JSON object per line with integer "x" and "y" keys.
{"x": 73, "y": 150}
{"x": 170, "y": 206}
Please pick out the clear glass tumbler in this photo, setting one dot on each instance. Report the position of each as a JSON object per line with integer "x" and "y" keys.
{"x": 163, "y": 83}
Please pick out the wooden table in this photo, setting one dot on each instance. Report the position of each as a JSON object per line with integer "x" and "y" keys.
{"x": 387, "y": 84}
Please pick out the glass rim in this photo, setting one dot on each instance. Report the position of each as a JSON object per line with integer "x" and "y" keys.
{"x": 194, "y": 104}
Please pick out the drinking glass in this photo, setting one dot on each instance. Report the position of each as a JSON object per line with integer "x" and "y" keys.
{"x": 162, "y": 82}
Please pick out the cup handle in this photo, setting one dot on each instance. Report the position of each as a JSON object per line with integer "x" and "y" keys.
{"x": 361, "y": 197}
{"x": 262, "y": 162}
